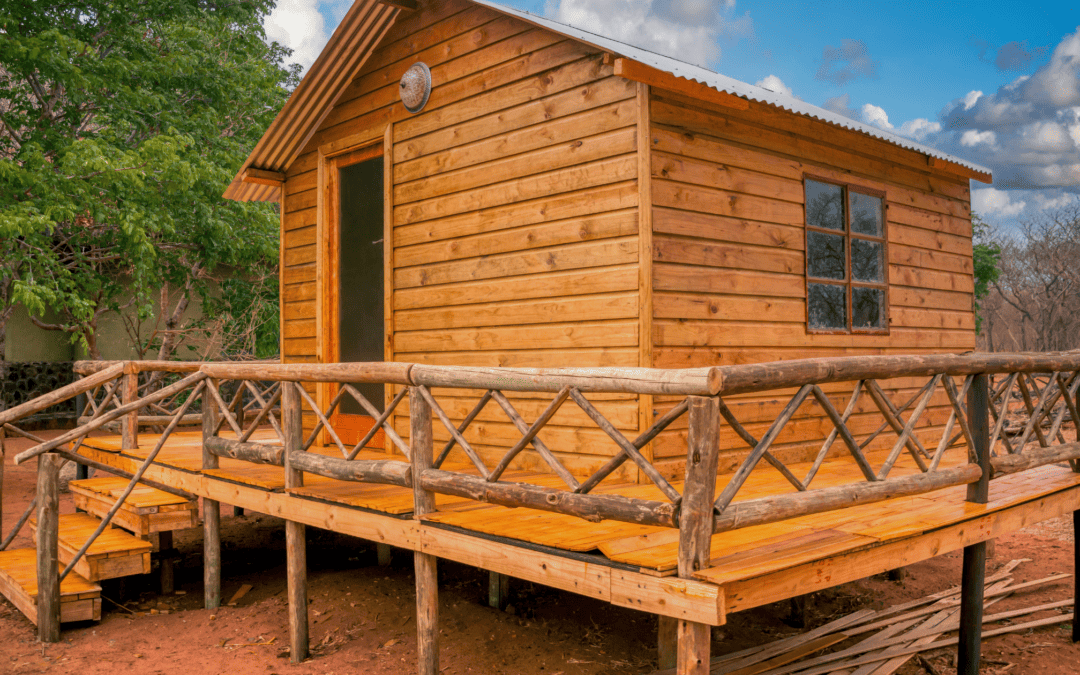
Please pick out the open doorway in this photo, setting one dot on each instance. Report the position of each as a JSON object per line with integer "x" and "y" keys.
{"x": 357, "y": 327}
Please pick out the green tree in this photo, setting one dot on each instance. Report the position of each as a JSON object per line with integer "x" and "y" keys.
{"x": 121, "y": 124}
{"x": 986, "y": 257}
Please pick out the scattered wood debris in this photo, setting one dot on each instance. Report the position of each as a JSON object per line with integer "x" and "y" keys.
{"x": 893, "y": 636}
{"x": 240, "y": 593}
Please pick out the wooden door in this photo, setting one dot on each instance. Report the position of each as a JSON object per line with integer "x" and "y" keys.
{"x": 356, "y": 329}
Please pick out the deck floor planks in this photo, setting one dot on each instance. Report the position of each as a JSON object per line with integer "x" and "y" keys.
{"x": 738, "y": 555}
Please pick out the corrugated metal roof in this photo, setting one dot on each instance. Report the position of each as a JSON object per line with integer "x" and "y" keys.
{"x": 353, "y": 41}
{"x": 367, "y": 22}
{"x": 723, "y": 83}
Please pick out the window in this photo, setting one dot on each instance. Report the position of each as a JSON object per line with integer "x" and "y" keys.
{"x": 846, "y": 287}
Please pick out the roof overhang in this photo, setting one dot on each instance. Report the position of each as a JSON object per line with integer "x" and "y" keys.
{"x": 355, "y": 38}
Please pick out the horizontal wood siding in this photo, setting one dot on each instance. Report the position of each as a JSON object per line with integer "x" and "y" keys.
{"x": 729, "y": 260}
{"x": 514, "y": 212}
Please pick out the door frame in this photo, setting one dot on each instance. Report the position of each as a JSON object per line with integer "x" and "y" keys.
{"x": 327, "y": 266}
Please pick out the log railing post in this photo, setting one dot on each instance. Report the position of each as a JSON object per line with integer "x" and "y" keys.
{"x": 422, "y": 452}
{"x": 292, "y": 426}
{"x": 129, "y": 393}
{"x": 48, "y": 563}
{"x": 211, "y": 511}
{"x": 696, "y": 518}
{"x": 971, "y": 593}
{"x": 82, "y": 472}
{"x": 1076, "y": 540}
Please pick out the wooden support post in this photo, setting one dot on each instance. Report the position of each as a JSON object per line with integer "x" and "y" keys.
{"x": 1076, "y": 569}
{"x": 2, "y": 452}
{"x": 211, "y": 513}
{"x": 48, "y": 563}
{"x": 696, "y": 519}
{"x": 295, "y": 533}
{"x": 667, "y": 642}
{"x": 129, "y": 424}
{"x": 498, "y": 590}
{"x": 974, "y": 574}
{"x": 1076, "y": 543}
{"x": 82, "y": 471}
{"x": 167, "y": 571}
{"x": 384, "y": 552}
{"x": 422, "y": 454}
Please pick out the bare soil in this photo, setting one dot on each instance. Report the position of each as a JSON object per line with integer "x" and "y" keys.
{"x": 362, "y": 614}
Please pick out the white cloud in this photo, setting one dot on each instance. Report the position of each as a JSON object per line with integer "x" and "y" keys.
{"x": 1028, "y": 131}
{"x": 298, "y": 25}
{"x": 919, "y": 129}
{"x": 971, "y": 138}
{"x": 992, "y": 202}
{"x": 774, "y": 83}
{"x": 689, "y": 30}
{"x": 875, "y": 115}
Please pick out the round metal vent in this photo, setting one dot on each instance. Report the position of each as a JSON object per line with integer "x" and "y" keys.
{"x": 416, "y": 87}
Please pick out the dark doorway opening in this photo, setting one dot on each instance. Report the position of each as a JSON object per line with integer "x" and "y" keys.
{"x": 360, "y": 277}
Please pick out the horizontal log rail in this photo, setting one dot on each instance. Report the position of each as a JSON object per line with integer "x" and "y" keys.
{"x": 256, "y": 453}
{"x": 924, "y": 425}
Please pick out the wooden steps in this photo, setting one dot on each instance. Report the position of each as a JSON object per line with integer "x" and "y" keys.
{"x": 145, "y": 511}
{"x": 80, "y": 600}
{"x": 113, "y": 554}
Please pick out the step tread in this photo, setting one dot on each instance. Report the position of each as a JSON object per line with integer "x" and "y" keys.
{"x": 142, "y": 497}
{"x": 76, "y": 528}
{"x": 19, "y": 566}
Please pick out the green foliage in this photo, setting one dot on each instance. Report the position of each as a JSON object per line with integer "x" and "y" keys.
{"x": 121, "y": 124}
{"x": 986, "y": 255}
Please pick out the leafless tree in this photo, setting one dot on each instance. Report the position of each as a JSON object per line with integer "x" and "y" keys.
{"x": 1034, "y": 305}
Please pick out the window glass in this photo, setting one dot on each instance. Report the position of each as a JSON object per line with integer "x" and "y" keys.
{"x": 827, "y": 306}
{"x": 867, "y": 308}
{"x": 866, "y": 264}
{"x": 824, "y": 205}
{"x": 825, "y": 256}
{"x": 847, "y": 277}
{"x": 866, "y": 214}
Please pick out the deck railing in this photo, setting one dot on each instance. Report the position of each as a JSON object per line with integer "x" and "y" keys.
{"x": 1006, "y": 413}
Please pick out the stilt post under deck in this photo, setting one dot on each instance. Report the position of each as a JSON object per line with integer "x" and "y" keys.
{"x": 48, "y": 564}
{"x": 211, "y": 512}
{"x": 498, "y": 590}
{"x": 1076, "y": 582}
{"x": 974, "y": 574}
{"x": 421, "y": 451}
{"x": 667, "y": 642}
{"x": 1076, "y": 548}
{"x": 295, "y": 533}
{"x": 696, "y": 518}
{"x": 167, "y": 553}
{"x": 384, "y": 553}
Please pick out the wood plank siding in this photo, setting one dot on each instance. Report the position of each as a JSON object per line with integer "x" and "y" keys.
{"x": 542, "y": 212}
{"x": 513, "y": 201}
{"x": 728, "y": 264}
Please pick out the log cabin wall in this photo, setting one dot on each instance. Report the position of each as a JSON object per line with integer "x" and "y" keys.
{"x": 728, "y": 264}
{"x": 513, "y": 216}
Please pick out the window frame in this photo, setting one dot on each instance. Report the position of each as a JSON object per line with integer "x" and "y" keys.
{"x": 848, "y": 283}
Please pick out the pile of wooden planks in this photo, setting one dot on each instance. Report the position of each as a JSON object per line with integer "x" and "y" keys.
{"x": 880, "y": 642}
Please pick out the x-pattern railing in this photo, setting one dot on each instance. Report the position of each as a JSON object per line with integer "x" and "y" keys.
{"x": 1042, "y": 404}
{"x": 1022, "y": 404}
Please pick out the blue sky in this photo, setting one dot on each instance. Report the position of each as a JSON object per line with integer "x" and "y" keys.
{"x": 913, "y": 67}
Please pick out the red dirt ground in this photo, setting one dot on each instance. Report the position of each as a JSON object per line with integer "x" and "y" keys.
{"x": 362, "y": 614}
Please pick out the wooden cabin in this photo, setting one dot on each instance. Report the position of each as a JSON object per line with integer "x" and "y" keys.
{"x": 560, "y": 198}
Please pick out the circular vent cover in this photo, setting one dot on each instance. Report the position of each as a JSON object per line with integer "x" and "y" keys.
{"x": 416, "y": 87}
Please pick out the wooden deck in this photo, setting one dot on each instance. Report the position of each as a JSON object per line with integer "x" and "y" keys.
{"x": 628, "y": 564}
